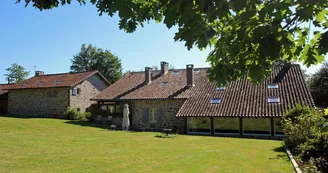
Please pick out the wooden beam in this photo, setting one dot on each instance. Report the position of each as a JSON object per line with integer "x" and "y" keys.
{"x": 272, "y": 127}
{"x": 212, "y": 126}
{"x": 241, "y": 127}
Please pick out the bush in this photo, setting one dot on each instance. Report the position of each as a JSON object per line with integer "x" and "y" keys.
{"x": 306, "y": 137}
{"x": 73, "y": 114}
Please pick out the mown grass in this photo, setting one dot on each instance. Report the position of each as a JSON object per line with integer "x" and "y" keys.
{"x": 52, "y": 145}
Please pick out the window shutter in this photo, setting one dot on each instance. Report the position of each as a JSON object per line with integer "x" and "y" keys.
{"x": 160, "y": 114}
{"x": 145, "y": 117}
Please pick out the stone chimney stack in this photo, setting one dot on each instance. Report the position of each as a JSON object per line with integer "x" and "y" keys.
{"x": 148, "y": 75}
{"x": 164, "y": 67}
{"x": 39, "y": 73}
{"x": 190, "y": 75}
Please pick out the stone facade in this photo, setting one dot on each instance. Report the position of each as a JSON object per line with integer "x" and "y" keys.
{"x": 88, "y": 89}
{"x": 166, "y": 115}
{"x": 54, "y": 101}
{"x": 39, "y": 102}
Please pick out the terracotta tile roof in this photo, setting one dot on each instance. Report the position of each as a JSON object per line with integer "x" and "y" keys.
{"x": 132, "y": 86}
{"x": 55, "y": 80}
{"x": 239, "y": 99}
{"x": 4, "y": 88}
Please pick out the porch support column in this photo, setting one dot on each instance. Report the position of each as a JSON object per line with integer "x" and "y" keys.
{"x": 241, "y": 127}
{"x": 186, "y": 128}
{"x": 272, "y": 126}
{"x": 212, "y": 126}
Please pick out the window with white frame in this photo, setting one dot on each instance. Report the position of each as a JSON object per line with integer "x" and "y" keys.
{"x": 273, "y": 99}
{"x": 273, "y": 86}
{"x": 153, "y": 115}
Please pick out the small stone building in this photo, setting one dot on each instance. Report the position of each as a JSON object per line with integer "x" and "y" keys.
{"x": 185, "y": 100}
{"x": 53, "y": 94}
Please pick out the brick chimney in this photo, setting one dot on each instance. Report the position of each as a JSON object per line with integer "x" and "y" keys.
{"x": 39, "y": 73}
{"x": 148, "y": 75}
{"x": 164, "y": 67}
{"x": 190, "y": 75}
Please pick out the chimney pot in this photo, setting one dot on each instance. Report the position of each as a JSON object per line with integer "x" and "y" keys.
{"x": 164, "y": 67}
{"x": 39, "y": 73}
{"x": 148, "y": 75}
{"x": 190, "y": 75}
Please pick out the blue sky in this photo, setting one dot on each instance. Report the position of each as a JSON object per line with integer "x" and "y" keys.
{"x": 49, "y": 39}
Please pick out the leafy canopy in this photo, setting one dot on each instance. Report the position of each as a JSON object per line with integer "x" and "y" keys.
{"x": 16, "y": 73}
{"x": 318, "y": 85}
{"x": 246, "y": 36}
{"x": 92, "y": 58}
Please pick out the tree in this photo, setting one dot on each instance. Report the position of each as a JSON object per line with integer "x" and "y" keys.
{"x": 93, "y": 58}
{"x": 318, "y": 85}
{"x": 246, "y": 37}
{"x": 16, "y": 73}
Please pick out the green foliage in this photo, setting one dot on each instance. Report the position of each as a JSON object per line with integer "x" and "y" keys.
{"x": 246, "y": 37}
{"x": 326, "y": 112}
{"x": 318, "y": 85}
{"x": 307, "y": 137}
{"x": 296, "y": 111}
{"x": 74, "y": 114}
{"x": 93, "y": 58}
{"x": 16, "y": 73}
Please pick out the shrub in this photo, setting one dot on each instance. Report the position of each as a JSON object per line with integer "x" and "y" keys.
{"x": 72, "y": 113}
{"x": 306, "y": 137}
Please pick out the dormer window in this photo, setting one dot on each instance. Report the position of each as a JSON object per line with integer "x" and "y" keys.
{"x": 273, "y": 99}
{"x": 164, "y": 84}
{"x": 216, "y": 101}
{"x": 220, "y": 88}
{"x": 273, "y": 86}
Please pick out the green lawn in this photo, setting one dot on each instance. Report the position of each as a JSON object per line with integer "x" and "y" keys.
{"x": 52, "y": 145}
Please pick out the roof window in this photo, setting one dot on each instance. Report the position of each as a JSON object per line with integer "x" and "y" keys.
{"x": 24, "y": 84}
{"x": 164, "y": 84}
{"x": 196, "y": 70}
{"x": 175, "y": 73}
{"x": 58, "y": 82}
{"x": 273, "y": 99}
{"x": 220, "y": 88}
{"x": 273, "y": 86}
{"x": 216, "y": 101}
{"x": 39, "y": 83}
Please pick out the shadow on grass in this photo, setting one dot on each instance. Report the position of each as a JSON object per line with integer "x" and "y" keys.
{"x": 163, "y": 136}
{"x": 88, "y": 124}
{"x": 281, "y": 154}
{"x": 25, "y": 116}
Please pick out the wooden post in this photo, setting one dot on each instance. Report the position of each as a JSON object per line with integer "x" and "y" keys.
{"x": 272, "y": 127}
{"x": 241, "y": 127}
{"x": 212, "y": 126}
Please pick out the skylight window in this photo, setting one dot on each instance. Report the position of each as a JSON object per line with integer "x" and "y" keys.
{"x": 175, "y": 72}
{"x": 273, "y": 86}
{"x": 216, "y": 101}
{"x": 164, "y": 84}
{"x": 220, "y": 88}
{"x": 40, "y": 83}
{"x": 24, "y": 84}
{"x": 58, "y": 82}
{"x": 273, "y": 99}
{"x": 196, "y": 70}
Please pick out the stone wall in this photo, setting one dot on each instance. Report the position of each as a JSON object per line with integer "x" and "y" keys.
{"x": 39, "y": 102}
{"x": 88, "y": 89}
{"x": 166, "y": 116}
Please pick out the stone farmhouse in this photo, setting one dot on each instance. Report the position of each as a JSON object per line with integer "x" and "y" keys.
{"x": 53, "y": 94}
{"x": 185, "y": 100}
